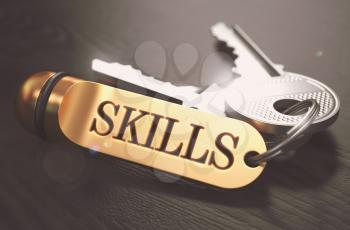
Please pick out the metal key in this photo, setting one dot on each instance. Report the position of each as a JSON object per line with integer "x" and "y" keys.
{"x": 189, "y": 96}
{"x": 264, "y": 90}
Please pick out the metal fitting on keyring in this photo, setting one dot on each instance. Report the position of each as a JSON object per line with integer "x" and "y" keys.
{"x": 38, "y": 101}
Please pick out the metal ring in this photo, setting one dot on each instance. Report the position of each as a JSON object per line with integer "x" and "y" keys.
{"x": 42, "y": 100}
{"x": 293, "y": 133}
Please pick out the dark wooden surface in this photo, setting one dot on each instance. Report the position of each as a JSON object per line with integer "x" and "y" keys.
{"x": 60, "y": 186}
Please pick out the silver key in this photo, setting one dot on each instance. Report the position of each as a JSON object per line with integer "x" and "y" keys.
{"x": 188, "y": 95}
{"x": 264, "y": 90}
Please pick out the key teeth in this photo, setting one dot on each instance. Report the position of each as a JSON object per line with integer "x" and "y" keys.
{"x": 136, "y": 71}
{"x": 215, "y": 30}
{"x": 219, "y": 36}
{"x": 140, "y": 73}
{"x": 129, "y": 68}
{"x": 219, "y": 30}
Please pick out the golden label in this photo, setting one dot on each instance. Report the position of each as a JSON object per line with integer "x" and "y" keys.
{"x": 160, "y": 134}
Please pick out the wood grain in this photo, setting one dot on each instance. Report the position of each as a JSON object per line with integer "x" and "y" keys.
{"x": 45, "y": 185}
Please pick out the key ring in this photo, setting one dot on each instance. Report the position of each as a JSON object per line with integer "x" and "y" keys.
{"x": 313, "y": 110}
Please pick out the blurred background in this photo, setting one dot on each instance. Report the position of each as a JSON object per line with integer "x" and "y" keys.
{"x": 51, "y": 185}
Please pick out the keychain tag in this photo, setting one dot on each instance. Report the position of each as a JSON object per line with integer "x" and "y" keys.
{"x": 161, "y": 135}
